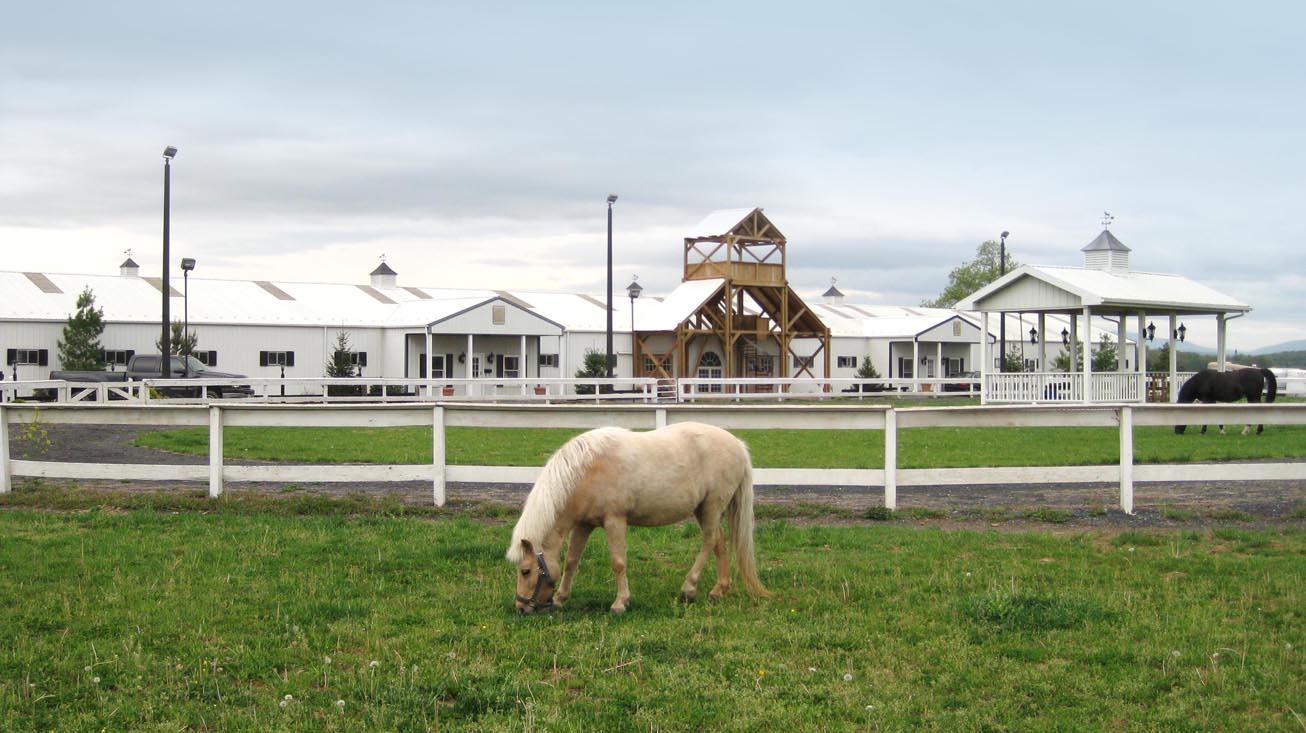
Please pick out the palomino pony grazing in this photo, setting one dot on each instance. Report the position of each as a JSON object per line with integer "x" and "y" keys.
{"x": 611, "y": 478}
{"x": 1210, "y": 385}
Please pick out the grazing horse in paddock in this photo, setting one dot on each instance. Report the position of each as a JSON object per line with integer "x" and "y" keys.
{"x": 611, "y": 478}
{"x": 1210, "y": 385}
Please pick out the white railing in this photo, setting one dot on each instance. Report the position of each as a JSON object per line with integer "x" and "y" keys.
{"x": 1020, "y": 387}
{"x": 327, "y": 389}
{"x": 440, "y": 416}
{"x": 1059, "y": 387}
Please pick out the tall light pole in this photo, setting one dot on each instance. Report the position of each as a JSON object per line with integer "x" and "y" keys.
{"x": 187, "y": 264}
{"x": 1002, "y": 323}
{"x": 607, "y": 358}
{"x": 165, "y": 343}
{"x": 633, "y": 290}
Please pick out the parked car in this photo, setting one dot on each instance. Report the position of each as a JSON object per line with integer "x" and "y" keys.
{"x": 146, "y": 366}
{"x": 970, "y": 381}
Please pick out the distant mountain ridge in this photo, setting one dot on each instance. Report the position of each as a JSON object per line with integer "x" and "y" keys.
{"x": 1298, "y": 345}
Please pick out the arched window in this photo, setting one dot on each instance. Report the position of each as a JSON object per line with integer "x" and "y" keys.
{"x": 709, "y": 367}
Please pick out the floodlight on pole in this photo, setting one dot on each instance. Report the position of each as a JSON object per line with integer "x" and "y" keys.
{"x": 607, "y": 356}
{"x": 187, "y": 264}
{"x": 165, "y": 342}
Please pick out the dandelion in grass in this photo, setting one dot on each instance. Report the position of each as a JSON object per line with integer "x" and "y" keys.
{"x": 96, "y": 680}
{"x": 847, "y": 676}
{"x": 373, "y": 664}
{"x": 326, "y": 660}
{"x": 87, "y": 668}
{"x": 340, "y": 704}
{"x": 811, "y": 669}
{"x": 1175, "y": 653}
{"x": 967, "y": 574}
{"x": 283, "y": 704}
{"x": 869, "y": 708}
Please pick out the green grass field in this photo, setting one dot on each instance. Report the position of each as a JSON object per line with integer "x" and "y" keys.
{"x": 251, "y": 617}
{"x": 917, "y": 448}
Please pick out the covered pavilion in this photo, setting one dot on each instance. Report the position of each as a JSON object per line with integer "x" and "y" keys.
{"x": 1104, "y": 288}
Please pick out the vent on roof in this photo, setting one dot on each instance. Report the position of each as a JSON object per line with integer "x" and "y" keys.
{"x": 1106, "y": 253}
{"x": 42, "y": 282}
{"x": 378, "y": 295}
{"x": 129, "y": 268}
{"x": 273, "y": 290}
{"x": 383, "y": 276}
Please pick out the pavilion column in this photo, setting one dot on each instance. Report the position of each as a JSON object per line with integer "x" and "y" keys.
{"x": 426, "y": 368}
{"x": 1122, "y": 356}
{"x": 468, "y": 368}
{"x": 1042, "y": 342}
{"x": 1221, "y": 324}
{"x": 1174, "y": 359}
{"x": 1086, "y": 351}
{"x": 938, "y": 360}
{"x": 915, "y": 366}
{"x": 1073, "y": 348}
{"x": 984, "y": 357}
{"x": 1140, "y": 354}
{"x": 521, "y": 359}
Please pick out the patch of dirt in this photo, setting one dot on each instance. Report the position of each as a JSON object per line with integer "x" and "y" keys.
{"x": 1052, "y": 507}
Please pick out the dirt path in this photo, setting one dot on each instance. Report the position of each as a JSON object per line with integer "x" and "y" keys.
{"x": 1157, "y": 503}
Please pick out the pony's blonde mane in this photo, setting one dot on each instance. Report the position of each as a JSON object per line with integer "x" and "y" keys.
{"x": 553, "y": 488}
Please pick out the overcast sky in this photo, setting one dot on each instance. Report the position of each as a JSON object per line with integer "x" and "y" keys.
{"x": 474, "y": 144}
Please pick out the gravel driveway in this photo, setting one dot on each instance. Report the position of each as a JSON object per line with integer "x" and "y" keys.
{"x": 1271, "y": 502}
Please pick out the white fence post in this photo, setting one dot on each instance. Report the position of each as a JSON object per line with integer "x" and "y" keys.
{"x": 890, "y": 459}
{"x": 1127, "y": 460}
{"x": 215, "y": 451}
{"x": 5, "y": 486}
{"x": 660, "y": 417}
{"x": 437, "y": 454}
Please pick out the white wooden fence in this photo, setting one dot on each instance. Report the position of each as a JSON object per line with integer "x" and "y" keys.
{"x": 440, "y": 416}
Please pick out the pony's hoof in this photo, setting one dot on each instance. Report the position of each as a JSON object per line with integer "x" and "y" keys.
{"x": 688, "y": 596}
{"x": 617, "y": 610}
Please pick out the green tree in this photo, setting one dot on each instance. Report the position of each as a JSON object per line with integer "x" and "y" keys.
{"x": 868, "y": 371}
{"x": 79, "y": 349}
{"x": 1105, "y": 357}
{"x": 342, "y": 366}
{"x": 592, "y": 367}
{"x": 180, "y": 342}
{"x": 973, "y": 275}
{"x": 1015, "y": 360}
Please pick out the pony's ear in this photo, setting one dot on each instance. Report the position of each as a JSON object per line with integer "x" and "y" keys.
{"x": 527, "y": 546}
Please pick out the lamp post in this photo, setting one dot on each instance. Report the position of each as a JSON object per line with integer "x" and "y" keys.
{"x": 187, "y": 264}
{"x": 607, "y": 357}
{"x": 165, "y": 343}
{"x": 1002, "y": 324}
{"x": 633, "y": 290}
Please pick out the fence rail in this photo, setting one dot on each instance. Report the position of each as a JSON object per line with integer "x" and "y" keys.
{"x": 443, "y": 415}
{"x": 1023, "y": 387}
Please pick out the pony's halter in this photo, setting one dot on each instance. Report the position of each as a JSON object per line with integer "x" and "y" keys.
{"x": 543, "y": 580}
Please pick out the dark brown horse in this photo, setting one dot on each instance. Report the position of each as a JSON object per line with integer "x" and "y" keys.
{"x": 1210, "y": 385}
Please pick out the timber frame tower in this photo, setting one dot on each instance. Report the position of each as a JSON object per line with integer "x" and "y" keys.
{"x": 752, "y": 305}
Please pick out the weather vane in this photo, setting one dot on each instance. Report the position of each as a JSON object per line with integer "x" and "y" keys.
{"x": 129, "y": 252}
{"x": 1107, "y": 219}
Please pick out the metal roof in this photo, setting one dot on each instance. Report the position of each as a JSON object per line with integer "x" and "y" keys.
{"x": 135, "y": 300}
{"x": 1126, "y": 290}
{"x": 721, "y": 221}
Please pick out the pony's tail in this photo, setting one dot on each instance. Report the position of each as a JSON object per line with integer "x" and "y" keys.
{"x": 1271, "y": 384}
{"x": 741, "y": 533}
